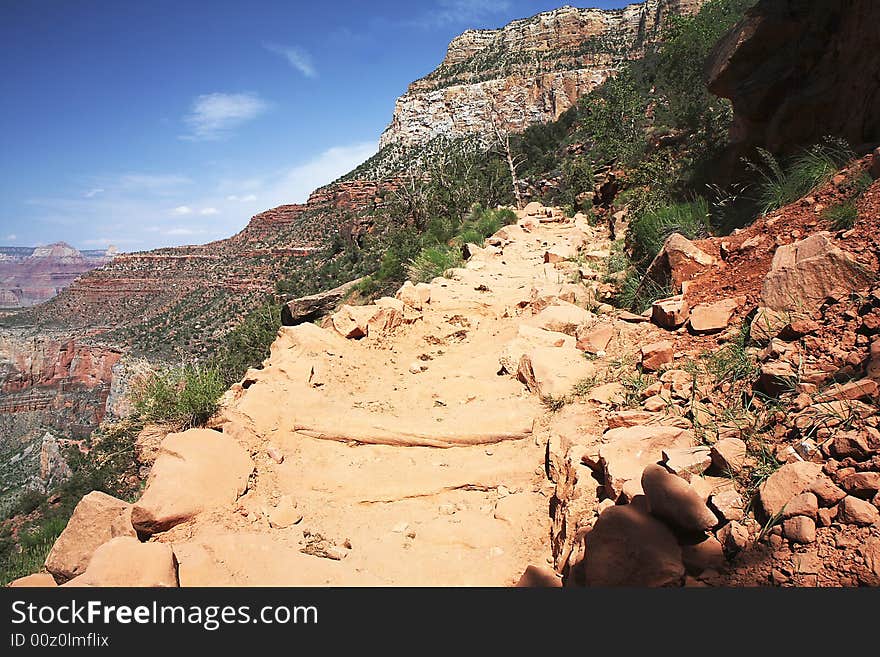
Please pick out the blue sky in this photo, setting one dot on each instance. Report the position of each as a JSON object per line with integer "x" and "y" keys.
{"x": 155, "y": 123}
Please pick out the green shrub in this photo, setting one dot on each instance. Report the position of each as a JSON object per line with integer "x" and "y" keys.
{"x": 186, "y": 395}
{"x": 648, "y": 231}
{"x": 247, "y": 345}
{"x": 780, "y": 186}
{"x": 432, "y": 262}
{"x": 843, "y": 216}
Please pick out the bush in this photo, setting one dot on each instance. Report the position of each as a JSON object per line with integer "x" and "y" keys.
{"x": 247, "y": 345}
{"x": 432, "y": 262}
{"x": 780, "y": 186}
{"x": 841, "y": 217}
{"x": 649, "y": 231}
{"x": 186, "y": 395}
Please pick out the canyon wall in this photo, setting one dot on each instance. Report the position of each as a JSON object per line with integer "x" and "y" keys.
{"x": 529, "y": 71}
{"x": 32, "y": 275}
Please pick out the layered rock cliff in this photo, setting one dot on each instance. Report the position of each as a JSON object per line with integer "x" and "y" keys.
{"x": 29, "y": 276}
{"x": 529, "y": 71}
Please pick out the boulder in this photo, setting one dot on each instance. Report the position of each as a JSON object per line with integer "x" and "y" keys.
{"x": 537, "y": 577}
{"x": 712, "y": 317}
{"x": 306, "y": 309}
{"x": 670, "y": 313}
{"x": 672, "y": 499}
{"x": 352, "y": 322}
{"x": 679, "y": 261}
{"x": 628, "y": 547}
{"x": 786, "y": 483}
{"x": 862, "y": 484}
{"x": 415, "y": 296}
{"x": 126, "y": 562}
{"x": 728, "y": 504}
{"x": 803, "y": 274}
{"x": 285, "y": 513}
{"x": 805, "y": 504}
{"x": 853, "y": 511}
{"x": 708, "y": 554}
{"x": 96, "y": 519}
{"x": 628, "y": 450}
{"x": 36, "y": 581}
{"x": 656, "y": 355}
{"x": 196, "y": 471}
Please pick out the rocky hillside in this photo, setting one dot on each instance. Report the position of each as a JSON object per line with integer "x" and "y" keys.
{"x": 29, "y": 276}
{"x": 527, "y": 72}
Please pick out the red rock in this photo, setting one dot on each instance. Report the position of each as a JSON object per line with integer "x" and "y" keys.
{"x": 670, "y": 313}
{"x": 537, "y": 577}
{"x": 628, "y": 450}
{"x": 710, "y": 318}
{"x": 799, "y": 529}
{"x": 687, "y": 461}
{"x": 733, "y": 537}
{"x": 786, "y": 483}
{"x": 729, "y": 455}
{"x": 629, "y": 548}
{"x": 706, "y": 555}
{"x": 672, "y": 499}
{"x": 853, "y": 511}
{"x": 862, "y": 484}
{"x": 96, "y": 519}
{"x": 656, "y": 355}
{"x": 804, "y": 504}
{"x": 38, "y": 580}
{"x": 865, "y": 389}
{"x": 126, "y": 562}
{"x": 594, "y": 339}
{"x": 728, "y": 505}
{"x": 776, "y": 378}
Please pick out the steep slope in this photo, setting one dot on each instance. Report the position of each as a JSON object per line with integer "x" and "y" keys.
{"x": 527, "y": 72}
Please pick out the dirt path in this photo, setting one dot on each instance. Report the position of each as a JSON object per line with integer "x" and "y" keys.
{"x": 411, "y": 456}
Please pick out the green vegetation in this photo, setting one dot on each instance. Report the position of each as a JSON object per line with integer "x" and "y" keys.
{"x": 648, "y": 232}
{"x": 780, "y": 185}
{"x": 843, "y": 216}
{"x": 185, "y": 396}
{"x": 109, "y": 466}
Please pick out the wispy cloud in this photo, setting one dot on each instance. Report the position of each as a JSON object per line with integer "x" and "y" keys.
{"x": 247, "y": 198}
{"x": 215, "y": 116}
{"x": 11, "y": 237}
{"x": 297, "y": 183}
{"x": 207, "y": 212}
{"x": 182, "y": 210}
{"x": 457, "y": 12}
{"x": 111, "y": 241}
{"x": 297, "y": 57}
{"x": 92, "y": 193}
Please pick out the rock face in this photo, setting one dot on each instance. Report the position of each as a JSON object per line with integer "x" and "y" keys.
{"x": 529, "y": 71}
{"x": 126, "y": 562}
{"x": 49, "y": 385}
{"x": 29, "y": 276}
{"x": 795, "y": 71}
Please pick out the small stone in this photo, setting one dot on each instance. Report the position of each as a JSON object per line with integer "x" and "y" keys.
{"x": 284, "y": 514}
{"x": 400, "y": 528}
{"x": 415, "y": 367}
{"x": 275, "y": 454}
{"x": 656, "y": 404}
{"x": 728, "y": 504}
{"x": 853, "y": 511}
{"x": 729, "y": 455}
{"x": 734, "y": 537}
{"x": 656, "y": 355}
{"x": 799, "y": 529}
{"x": 687, "y": 461}
{"x": 804, "y": 504}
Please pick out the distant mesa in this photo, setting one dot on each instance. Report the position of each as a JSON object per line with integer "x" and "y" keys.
{"x": 31, "y": 275}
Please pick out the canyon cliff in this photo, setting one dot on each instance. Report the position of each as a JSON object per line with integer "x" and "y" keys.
{"x": 528, "y": 72}
{"x": 29, "y": 275}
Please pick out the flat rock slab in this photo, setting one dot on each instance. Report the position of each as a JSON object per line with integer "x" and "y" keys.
{"x": 196, "y": 471}
{"x": 628, "y": 450}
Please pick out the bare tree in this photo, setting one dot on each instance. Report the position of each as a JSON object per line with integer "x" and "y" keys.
{"x": 501, "y": 138}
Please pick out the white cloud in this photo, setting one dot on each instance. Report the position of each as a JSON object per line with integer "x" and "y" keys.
{"x": 214, "y": 116}
{"x": 181, "y": 210}
{"x": 457, "y": 12}
{"x": 247, "y": 198}
{"x": 296, "y": 57}
{"x": 110, "y": 241}
{"x": 207, "y": 212}
{"x": 11, "y": 237}
{"x": 297, "y": 183}
{"x": 182, "y": 231}
{"x": 92, "y": 193}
